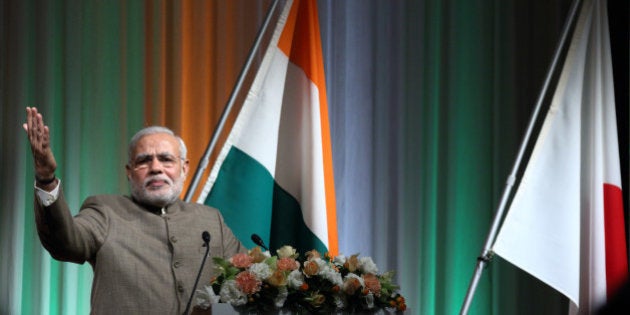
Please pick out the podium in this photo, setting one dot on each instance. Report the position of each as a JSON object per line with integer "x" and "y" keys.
{"x": 227, "y": 309}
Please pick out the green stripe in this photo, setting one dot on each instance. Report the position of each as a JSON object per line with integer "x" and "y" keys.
{"x": 252, "y": 202}
{"x": 289, "y": 224}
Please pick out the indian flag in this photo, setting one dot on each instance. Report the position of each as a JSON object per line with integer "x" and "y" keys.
{"x": 274, "y": 175}
{"x": 566, "y": 225}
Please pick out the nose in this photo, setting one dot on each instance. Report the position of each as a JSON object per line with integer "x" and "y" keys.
{"x": 155, "y": 166}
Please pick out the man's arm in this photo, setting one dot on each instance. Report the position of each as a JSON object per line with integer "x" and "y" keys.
{"x": 55, "y": 225}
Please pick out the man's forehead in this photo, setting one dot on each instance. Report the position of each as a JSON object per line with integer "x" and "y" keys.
{"x": 159, "y": 143}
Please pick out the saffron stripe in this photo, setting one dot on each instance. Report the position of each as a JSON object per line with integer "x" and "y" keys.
{"x": 301, "y": 42}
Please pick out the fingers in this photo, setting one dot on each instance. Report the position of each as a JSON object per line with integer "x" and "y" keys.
{"x": 46, "y": 137}
{"x": 38, "y": 126}
{"x": 39, "y": 137}
{"x": 35, "y": 128}
{"x": 38, "y": 133}
{"x": 29, "y": 126}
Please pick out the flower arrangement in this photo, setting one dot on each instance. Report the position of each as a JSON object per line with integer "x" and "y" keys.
{"x": 258, "y": 282}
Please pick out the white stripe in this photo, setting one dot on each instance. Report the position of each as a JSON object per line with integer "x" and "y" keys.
{"x": 261, "y": 119}
{"x": 300, "y": 165}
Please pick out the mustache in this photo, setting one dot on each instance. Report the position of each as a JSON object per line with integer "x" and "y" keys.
{"x": 160, "y": 177}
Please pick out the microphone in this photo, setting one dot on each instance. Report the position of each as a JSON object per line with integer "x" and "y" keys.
{"x": 205, "y": 236}
{"x": 258, "y": 241}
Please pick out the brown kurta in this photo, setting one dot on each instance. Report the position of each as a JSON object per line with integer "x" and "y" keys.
{"x": 144, "y": 262}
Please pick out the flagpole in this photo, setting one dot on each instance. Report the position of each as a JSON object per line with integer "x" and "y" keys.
{"x": 203, "y": 163}
{"x": 486, "y": 253}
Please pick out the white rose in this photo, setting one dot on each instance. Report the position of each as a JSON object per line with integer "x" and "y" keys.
{"x": 205, "y": 297}
{"x": 295, "y": 279}
{"x": 333, "y": 276}
{"x": 340, "y": 260}
{"x": 261, "y": 270}
{"x": 230, "y": 293}
{"x": 355, "y": 276}
{"x": 367, "y": 265}
{"x": 286, "y": 251}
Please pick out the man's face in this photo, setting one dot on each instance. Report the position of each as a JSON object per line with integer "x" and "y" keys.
{"x": 156, "y": 171}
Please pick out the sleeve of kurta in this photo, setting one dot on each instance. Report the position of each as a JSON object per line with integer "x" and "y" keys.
{"x": 68, "y": 238}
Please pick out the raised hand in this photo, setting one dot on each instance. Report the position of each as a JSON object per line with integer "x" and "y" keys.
{"x": 39, "y": 137}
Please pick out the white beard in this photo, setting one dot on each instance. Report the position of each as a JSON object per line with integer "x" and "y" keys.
{"x": 158, "y": 199}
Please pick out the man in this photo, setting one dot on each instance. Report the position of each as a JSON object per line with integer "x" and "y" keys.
{"x": 146, "y": 249}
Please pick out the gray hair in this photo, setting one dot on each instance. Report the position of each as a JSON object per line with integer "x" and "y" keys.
{"x": 154, "y": 130}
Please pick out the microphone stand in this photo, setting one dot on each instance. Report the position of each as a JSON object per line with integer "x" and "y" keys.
{"x": 206, "y": 240}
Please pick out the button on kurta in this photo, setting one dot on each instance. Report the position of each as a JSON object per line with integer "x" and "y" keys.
{"x": 173, "y": 239}
{"x": 177, "y": 264}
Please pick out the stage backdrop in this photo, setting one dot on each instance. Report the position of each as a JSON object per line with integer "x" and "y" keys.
{"x": 428, "y": 104}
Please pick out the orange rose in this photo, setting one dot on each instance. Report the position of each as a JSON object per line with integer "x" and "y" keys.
{"x": 257, "y": 255}
{"x": 247, "y": 282}
{"x": 402, "y": 307}
{"x": 310, "y": 268}
{"x": 372, "y": 283}
{"x": 352, "y": 263}
{"x": 286, "y": 264}
{"x": 351, "y": 285}
{"x": 313, "y": 254}
{"x": 241, "y": 260}
{"x": 278, "y": 279}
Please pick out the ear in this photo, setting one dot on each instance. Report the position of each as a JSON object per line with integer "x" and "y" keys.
{"x": 185, "y": 167}
{"x": 128, "y": 171}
